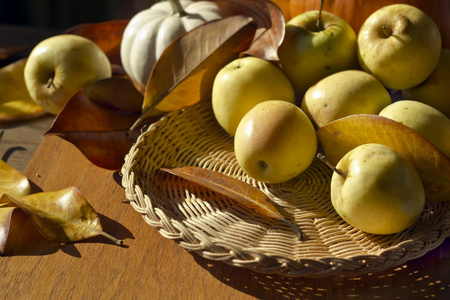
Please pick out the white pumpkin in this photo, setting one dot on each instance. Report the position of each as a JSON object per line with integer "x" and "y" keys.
{"x": 150, "y": 31}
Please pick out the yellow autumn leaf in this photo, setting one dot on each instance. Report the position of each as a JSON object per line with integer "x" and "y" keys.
{"x": 12, "y": 82}
{"x": 63, "y": 216}
{"x": 433, "y": 166}
{"x": 15, "y": 101}
{"x": 20, "y": 110}
{"x": 13, "y": 182}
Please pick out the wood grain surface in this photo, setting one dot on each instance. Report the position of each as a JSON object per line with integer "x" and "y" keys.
{"x": 151, "y": 267}
{"x": 148, "y": 266}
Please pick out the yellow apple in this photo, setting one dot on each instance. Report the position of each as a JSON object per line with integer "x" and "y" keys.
{"x": 309, "y": 53}
{"x": 435, "y": 90}
{"x": 275, "y": 141}
{"x": 342, "y": 94}
{"x": 400, "y": 45}
{"x": 379, "y": 191}
{"x": 426, "y": 120}
{"x": 242, "y": 84}
{"x": 60, "y": 66}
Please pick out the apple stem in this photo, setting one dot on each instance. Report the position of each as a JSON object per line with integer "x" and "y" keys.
{"x": 50, "y": 81}
{"x": 319, "y": 18}
{"x": 177, "y": 8}
{"x": 332, "y": 167}
{"x": 387, "y": 31}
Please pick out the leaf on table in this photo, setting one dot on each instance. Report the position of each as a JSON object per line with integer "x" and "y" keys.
{"x": 243, "y": 193}
{"x": 13, "y": 182}
{"x": 270, "y": 22}
{"x": 340, "y": 136}
{"x": 100, "y": 133}
{"x": 6, "y": 211}
{"x": 62, "y": 216}
{"x": 117, "y": 93}
{"x": 185, "y": 72}
{"x": 107, "y": 35}
{"x": 15, "y": 101}
{"x": 12, "y": 82}
{"x": 20, "y": 110}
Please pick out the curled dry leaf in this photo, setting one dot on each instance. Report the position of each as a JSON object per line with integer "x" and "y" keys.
{"x": 243, "y": 193}
{"x": 433, "y": 166}
{"x": 270, "y": 22}
{"x": 13, "y": 182}
{"x": 6, "y": 212}
{"x": 100, "y": 133}
{"x": 107, "y": 35}
{"x": 62, "y": 216}
{"x": 185, "y": 72}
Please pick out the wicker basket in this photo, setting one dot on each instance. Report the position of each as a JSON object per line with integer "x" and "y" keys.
{"x": 219, "y": 229}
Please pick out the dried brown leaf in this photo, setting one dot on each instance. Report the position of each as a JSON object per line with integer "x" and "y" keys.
{"x": 100, "y": 133}
{"x": 118, "y": 93}
{"x": 270, "y": 22}
{"x": 107, "y": 35}
{"x": 243, "y": 193}
{"x": 433, "y": 166}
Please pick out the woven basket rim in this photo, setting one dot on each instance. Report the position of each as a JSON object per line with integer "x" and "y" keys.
{"x": 213, "y": 246}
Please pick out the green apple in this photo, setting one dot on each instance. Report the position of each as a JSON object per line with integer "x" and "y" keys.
{"x": 435, "y": 90}
{"x": 309, "y": 53}
{"x": 242, "y": 84}
{"x": 378, "y": 191}
{"x": 426, "y": 120}
{"x": 400, "y": 45}
{"x": 275, "y": 141}
{"x": 342, "y": 94}
{"x": 60, "y": 66}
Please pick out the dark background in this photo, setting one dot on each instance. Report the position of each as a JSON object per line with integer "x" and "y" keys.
{"x": 62, "y": 14}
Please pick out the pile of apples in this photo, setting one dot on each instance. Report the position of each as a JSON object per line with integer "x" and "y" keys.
{"x": 327, "y": 72}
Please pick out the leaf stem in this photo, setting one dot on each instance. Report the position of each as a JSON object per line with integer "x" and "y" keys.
{"x": 110, "y": 237}
{"x": 295, "y": 228}
{"x": 177, "y": 8}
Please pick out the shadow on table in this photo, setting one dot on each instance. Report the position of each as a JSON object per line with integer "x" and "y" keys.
{"x": 412, "y": 280}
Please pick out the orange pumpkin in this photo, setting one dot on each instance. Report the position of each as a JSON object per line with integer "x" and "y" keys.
{"x": 355, "y": 12}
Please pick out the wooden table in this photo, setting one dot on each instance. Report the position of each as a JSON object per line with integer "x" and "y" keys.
{"x": 149, "y": 266}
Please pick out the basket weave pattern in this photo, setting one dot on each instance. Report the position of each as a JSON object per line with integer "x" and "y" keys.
{"x": 219, "y": 229}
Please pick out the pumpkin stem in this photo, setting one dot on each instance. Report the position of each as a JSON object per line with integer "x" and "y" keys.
{"x": 332, "y": 167}
{"x": 319, "y": 18}
{"x": 177, "y": 8}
